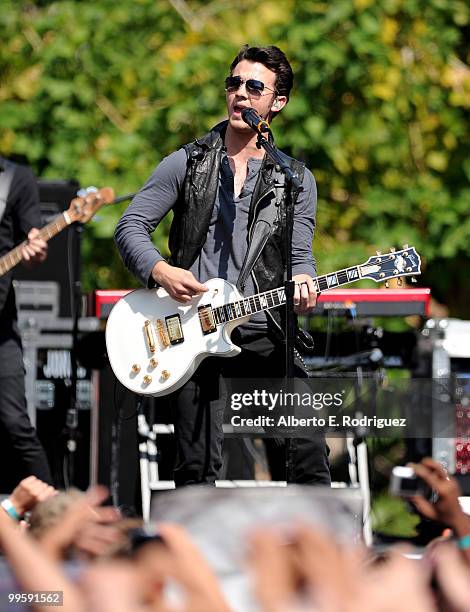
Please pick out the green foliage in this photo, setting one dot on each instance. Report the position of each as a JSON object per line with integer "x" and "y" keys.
{"x": 101, "y": 91}
{"x": 390, "y": 517}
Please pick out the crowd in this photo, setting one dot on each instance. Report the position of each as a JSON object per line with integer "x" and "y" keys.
{"x": 68, "y": 542}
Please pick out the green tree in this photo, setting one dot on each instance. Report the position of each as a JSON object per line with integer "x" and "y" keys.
{"x": 101, "y": 91}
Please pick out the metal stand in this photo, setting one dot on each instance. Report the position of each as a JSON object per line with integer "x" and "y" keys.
{"x": 292, "y": 188}
{"x": 71, "y": 421}
{"x": 148, "y": 457}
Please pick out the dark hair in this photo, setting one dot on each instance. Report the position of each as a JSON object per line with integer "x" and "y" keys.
{"x": 274, "y": 59}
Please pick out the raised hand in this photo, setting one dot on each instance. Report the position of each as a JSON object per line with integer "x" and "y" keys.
{"x": 179, "y": 560}
{"x": 29, "y": 492}
{"x": 446, "y": 509}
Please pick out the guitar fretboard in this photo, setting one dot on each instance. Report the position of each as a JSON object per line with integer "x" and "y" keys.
{"x": 13, "y": 258}
{"x": 277, "y": 297}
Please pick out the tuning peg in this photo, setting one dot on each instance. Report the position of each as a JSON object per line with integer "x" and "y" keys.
{"x": 405, "y": 246}
{"x": 387, "y": 284}
{"x": 392, "y": 249}
{"x": 413, "y": 279}
{"x": 399, "y": 282}
{"x": 379, "y": 252}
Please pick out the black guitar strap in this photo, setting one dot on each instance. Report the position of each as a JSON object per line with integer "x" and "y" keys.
{"x": 264, "y": 225}
{"x": 7, "y": 171}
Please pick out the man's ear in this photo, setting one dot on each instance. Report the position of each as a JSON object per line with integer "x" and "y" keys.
{"x": 279, "y": 103}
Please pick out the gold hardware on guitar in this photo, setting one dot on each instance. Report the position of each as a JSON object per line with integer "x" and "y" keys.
{"x": 161, "y": 331}
{"x": 149, "y": 336}
{"x": 175, "y": 331}
{"x": 206, "y": 316}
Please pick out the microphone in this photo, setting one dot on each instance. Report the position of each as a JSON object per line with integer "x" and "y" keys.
{"x": 251, "y": 117}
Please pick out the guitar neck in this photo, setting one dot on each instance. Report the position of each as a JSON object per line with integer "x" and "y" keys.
{"x": 13, "y": 258}
{"x": 277, "y": 297}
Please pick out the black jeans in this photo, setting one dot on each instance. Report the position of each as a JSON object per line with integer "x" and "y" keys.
{"x": 14, "y": 417}
{"x": 198, "y": 413}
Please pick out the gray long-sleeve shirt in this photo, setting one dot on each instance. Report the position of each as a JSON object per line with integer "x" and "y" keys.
{"x": 224, "y": 250}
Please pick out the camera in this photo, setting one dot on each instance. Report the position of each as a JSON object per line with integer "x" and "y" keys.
{"x": 405, "y": 483}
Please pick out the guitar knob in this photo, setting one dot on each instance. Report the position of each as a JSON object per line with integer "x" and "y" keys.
{"x": 136, "y": 368}
{"x": 147, "y": 380}
{"x": 165, "y": 374}
{"x": 153, "y": 362}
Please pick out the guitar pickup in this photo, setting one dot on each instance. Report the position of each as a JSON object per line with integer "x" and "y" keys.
{"x": 206, "y": 318}
{"x": 174, "y": 329}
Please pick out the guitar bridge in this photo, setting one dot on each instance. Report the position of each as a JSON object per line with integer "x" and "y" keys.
{"x": 162, "y": 334}
{"x": 175, "y": 331}
{"x": 206, "y": 318}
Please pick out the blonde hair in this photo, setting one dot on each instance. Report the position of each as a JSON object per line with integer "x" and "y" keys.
{"x": 51, "y": 511}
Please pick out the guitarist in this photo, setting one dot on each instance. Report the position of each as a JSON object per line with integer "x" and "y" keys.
{"x": 19, "y": 219}
{"x": 216, "y": 187}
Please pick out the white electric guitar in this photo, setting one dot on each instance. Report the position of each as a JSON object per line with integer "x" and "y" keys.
{"x": 155, "y": 343}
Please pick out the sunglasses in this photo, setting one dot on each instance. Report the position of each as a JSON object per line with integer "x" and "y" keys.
{"x": 253, "y": 86}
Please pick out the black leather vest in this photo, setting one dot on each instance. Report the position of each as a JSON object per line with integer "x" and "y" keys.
{"x": 193, "y": 211}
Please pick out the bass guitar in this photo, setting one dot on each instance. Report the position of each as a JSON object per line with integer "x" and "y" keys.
{"x": 80, "y": 209}
{"x": 155, "y": 343}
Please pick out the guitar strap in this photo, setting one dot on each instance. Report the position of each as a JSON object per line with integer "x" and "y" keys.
{"x": 265, "y": 225}
{"x": 7, "y": 171}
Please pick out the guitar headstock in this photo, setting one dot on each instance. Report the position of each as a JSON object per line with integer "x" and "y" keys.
{"x": 395, "y": 264}
{"x": 84, "y": 206}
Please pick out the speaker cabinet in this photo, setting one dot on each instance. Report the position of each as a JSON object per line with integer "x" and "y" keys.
{"x": 63, "y": 262}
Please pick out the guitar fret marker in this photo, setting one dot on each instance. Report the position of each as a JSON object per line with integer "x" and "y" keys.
{"x": 332, "y": 280}
{"x": 353, "y": 273}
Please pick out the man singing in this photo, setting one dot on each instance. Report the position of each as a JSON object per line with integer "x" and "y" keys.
{"x": 216, "y": 187}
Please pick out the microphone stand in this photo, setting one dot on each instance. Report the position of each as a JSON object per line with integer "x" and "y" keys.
{"x": 71, "y": 417}
{"x": 292, "y": 187}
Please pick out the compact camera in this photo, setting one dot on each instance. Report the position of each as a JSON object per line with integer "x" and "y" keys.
{"x": 405, "y": 483}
